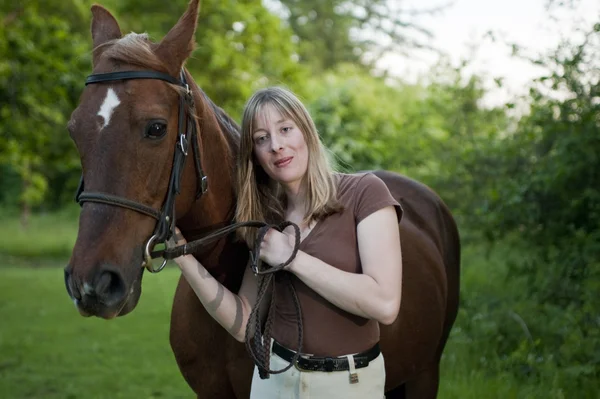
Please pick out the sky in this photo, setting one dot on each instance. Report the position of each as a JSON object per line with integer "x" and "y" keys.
{"x": 462, "y": 27}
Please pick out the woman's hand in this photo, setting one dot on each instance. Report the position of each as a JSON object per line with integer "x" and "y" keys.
{"x": 276, "y": 248}
{"x": 176, "y": 240}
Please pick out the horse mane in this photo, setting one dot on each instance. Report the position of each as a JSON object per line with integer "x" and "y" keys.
{"x": 227, "y": 124}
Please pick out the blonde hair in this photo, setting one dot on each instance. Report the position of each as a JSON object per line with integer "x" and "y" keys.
{"x": 260, "y": 197}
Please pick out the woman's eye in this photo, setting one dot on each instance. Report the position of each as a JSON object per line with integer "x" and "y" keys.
{"x": 286, "y": 129}
{"x": 261, "y": 139}
{"x": 156, "y": 130}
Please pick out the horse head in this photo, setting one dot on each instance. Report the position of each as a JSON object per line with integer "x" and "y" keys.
{"x": 139, "y": 128}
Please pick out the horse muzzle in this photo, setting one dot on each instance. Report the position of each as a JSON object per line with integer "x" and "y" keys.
{"x": 105, "y": 294}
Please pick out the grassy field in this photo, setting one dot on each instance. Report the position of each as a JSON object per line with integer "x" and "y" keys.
{"x": 47, "y": 236}
{"x": 48, "y": 351}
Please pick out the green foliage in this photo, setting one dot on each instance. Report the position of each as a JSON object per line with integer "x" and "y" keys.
{"x": 501, "y": 335}
{"x": 41, "y": 69}
{"x": 240, "y": 45}
{"x": 45, "y": 55}
{"x": 323, "y": 27}
{"x": 336, "y": 32}
{"x": 359, "y": 118}
{"x": 10, "y": 185}
{"x": 434, "y": 133}
{"x": 547, "y": 194}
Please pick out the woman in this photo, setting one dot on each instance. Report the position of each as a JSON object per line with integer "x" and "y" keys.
{"x": 346, "y": 272}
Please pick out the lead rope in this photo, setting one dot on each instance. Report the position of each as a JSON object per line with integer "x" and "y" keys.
{"x": 259, "y": 346}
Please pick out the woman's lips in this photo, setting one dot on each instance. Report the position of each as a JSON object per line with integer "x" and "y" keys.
{"x": 283, "y": 162}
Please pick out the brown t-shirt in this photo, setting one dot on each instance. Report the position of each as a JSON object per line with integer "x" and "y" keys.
{"x": 329, "y": 330}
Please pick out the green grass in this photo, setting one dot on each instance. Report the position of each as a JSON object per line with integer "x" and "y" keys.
{"x": 46, "y": 236}
{"x": 49, "y": 351}
{"x": 466, "y": 376}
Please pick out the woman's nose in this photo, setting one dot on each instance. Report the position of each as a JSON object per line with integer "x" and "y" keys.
{"x": 276, "y": 144}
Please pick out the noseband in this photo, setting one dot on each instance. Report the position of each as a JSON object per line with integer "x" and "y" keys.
{"x": 165, "y": 227}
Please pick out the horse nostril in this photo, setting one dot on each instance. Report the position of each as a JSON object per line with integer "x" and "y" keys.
{"x": 110, "y": 287}
{"x": 69, "y": 285}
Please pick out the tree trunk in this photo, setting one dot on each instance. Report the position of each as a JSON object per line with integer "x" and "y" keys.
{"x": 25, "y": 207}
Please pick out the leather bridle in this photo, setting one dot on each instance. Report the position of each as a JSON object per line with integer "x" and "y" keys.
{"x": 165, "y": 226}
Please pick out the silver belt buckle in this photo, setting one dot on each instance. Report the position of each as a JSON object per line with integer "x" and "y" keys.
{"x": 352, "y": 369}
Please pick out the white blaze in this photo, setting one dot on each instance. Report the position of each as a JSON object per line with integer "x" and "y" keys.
{"x": 108, "y": 106}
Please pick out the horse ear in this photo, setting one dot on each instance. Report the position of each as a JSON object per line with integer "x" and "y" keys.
{"x": 104, "y": 27}
{"x": 179, "y": 43}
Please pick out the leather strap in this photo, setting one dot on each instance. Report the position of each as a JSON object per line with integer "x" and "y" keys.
{"x": 128, "y": 75}
{"x": 314, "y": 363}
{"x": 109, "y": 199}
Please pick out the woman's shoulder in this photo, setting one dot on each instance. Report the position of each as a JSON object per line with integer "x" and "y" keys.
{"x": 350, "y": 181}
{"x": 365, "y": 193}
{"x": 351, "y": 185}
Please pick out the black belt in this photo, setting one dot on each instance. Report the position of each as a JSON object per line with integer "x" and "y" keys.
{"x": 314, "y": 363}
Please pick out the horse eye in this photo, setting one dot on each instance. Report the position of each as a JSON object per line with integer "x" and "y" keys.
{"x": 156, "y": 130}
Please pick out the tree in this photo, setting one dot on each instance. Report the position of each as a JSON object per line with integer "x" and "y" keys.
{"x": 434, "y": 133}
{"x": 45, "y": 52}
{"x": 241, "y": 46}
{"x": 41, "y": 73}
{"x": 548, "y": 195}
{"x": 352, "y": 31}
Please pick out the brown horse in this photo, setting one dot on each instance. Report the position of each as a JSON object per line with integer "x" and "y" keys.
{"x": 132, "y": 129}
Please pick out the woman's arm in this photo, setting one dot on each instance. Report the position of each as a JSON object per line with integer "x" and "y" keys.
{"x": 230, "y": 310}
{"x": 374, "y": 294}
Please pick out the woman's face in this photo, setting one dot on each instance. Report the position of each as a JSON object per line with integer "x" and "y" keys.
{"x": 280, "y": 147}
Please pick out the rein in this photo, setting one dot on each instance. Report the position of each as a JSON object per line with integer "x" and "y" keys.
{"x": 260, "y": 345}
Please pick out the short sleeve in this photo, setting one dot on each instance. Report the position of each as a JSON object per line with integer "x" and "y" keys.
{"x": 372, "y": 195}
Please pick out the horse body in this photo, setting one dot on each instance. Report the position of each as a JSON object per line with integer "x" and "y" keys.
{"x": 104, "y": 275}
{"x": 412, "y": 345}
